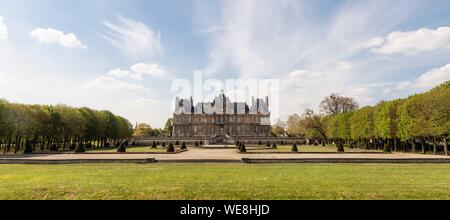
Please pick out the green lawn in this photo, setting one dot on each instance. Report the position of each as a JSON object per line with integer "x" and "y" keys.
{"x": 304, "y": 148}
{"x": 225, "y": 181}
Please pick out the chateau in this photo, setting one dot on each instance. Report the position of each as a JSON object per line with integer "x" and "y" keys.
{"x": 221, "y": 119}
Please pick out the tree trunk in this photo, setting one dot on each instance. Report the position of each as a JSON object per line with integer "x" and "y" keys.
{"x": 422, "y": 140}
{"x": 445, "y": 147}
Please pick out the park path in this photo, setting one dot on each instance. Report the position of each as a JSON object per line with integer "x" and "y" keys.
{"x": 225, "y": 155}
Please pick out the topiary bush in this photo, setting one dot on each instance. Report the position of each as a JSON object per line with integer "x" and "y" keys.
{"x": 53, "y": 147}
{"x": 80, "y": 148}
{"x": 267, "y": 144}
{"x": 259, "y": 143}
{"x": 294, "y": 148}
{"x": 177, "y": 143}
{"x": 196, "y": 144}
{"x": 340, "y": 146}
{"x": 386, "y": 149}
{"x": 122, "y": 147}
{"x": 163, "y": 144}
{"x": 242, "y": 148}
{"x": 170, "y": 148}
{"x": 28, "y": 148}
{"x": 274, "y": 145}
{"x": 154, "y": 145}
{"x": 183, "y": 146}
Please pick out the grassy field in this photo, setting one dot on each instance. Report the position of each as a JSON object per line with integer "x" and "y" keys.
{"x": 225, "y": 181}
{"x": 304, "y": 148}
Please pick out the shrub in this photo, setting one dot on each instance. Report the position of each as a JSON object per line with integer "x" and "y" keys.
{"x": 157, "y": 143}
{"x": 154, "y": 145}
{"x": 163, "y": 144}
{"x": 282, "y": 142}
{"x": 201, "y": 143}
{"x": 80, "y": 148}
{"x": 28, "y": 148}
{"x": 242, "y": 148}
{"x": 340, "y": 146}
{"x": 386, "y": 148}
{"x": 170, "y": 148}
{"x": 133, "y": 144}
{"x": 177, "y": 143}
{"x": 53, "y": 147}
{"x": 274, "y": 145}
{"x": 259, "y": 143}
{"x": 267, "y": 144}
{"x": 294, "y": 148}
{"x": 196, "y": 144}
{"x": 183, "y": 146}
{"x": 122, "y": 147}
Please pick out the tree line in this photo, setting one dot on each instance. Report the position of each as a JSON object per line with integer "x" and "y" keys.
{"x": 419, "y": 123}
{"x": 58, "y": 127}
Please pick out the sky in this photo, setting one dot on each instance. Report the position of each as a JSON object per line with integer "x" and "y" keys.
{"x": 123, "y": 56}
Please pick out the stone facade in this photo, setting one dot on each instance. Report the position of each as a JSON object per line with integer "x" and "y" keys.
{"x": 221, "y": 119}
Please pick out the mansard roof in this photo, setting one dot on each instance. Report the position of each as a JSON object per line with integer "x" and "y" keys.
{"x": 221, "y": 104}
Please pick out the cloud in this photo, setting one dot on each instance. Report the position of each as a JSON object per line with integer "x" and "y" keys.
{"x": 148, "y": 69}
{"x": 49, "y": 36}
{"x": 133, "y": 38}
{"x": 108, "y": 83}
{"x": 429, "y": 79}
{"x": 119, "y": 73}
{"x": 137, "y": 71}
{"x": 412, "y": 43}
{"x": 212, "y": 29}
{"x": 3, "y": 30}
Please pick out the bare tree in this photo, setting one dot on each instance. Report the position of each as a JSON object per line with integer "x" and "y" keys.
{"x": 336, "y": 104}
{"x": 314, "y": 122}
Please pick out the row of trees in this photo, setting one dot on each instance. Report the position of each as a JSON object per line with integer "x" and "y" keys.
{"x": 420, "y": 122}
{"x": 48, "y": 127}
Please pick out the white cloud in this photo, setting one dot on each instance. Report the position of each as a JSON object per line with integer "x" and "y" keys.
{"x": 3, "y": 30}
{"x": 119, "y": 73}
{"x": 148, "y": 69}
{"x": 108, "y": 83}
{"x": 412, "y": 43}
{"x": 374, "y": 42}
{"x": 133, "y": 37}
{"x": 429, "y": 79}
{"x": 137, "y": 71}
{"x": 2, "y": 77}
{"x": 49, "y": 36}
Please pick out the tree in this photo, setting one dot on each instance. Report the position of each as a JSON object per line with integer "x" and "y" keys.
{"x": 142, "y": 130}
{"x": 335, "y": 104}
{"x": 296, "y": 126}
{"x": 168, "y": 127}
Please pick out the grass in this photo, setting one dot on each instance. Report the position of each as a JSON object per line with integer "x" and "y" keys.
{"x": 225, "y": 181}
{"x": 304, "y": 148}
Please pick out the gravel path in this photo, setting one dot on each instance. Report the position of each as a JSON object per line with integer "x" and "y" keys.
{"x": 219, "y": 154}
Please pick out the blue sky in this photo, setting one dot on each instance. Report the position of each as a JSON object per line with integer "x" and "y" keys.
{"x": 124, "y": 55}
